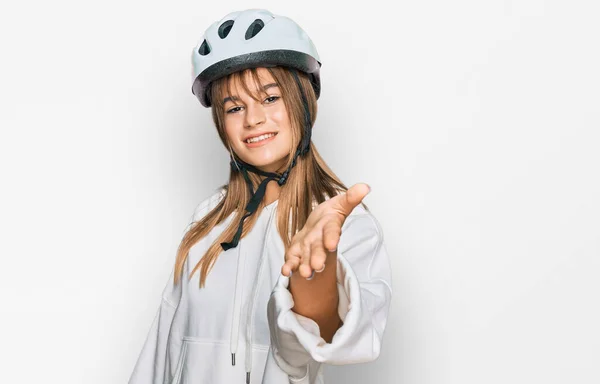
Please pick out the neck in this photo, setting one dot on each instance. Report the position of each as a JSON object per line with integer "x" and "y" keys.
{"x": 272, "y": 192}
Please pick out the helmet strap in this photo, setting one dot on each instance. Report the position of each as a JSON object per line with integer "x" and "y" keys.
{"x": 243, "y": 167}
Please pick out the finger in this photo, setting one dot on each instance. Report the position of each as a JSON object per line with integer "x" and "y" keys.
{"x": 304, "y": 269}
{"x": 348, "y": 200}
{"x": 290, "y": 265}
{"x": 318, "y": 255}
{"x": 331, "y": 235}
{"x": 293, "y": 257}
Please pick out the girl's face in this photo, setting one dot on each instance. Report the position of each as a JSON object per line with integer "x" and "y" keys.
{"x": 265, "y": 120}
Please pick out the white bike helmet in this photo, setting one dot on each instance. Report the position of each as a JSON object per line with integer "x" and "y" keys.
{"x": 248, "y": 39}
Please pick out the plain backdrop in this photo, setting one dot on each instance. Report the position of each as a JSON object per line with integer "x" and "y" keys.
{"x": 475, "y": 122}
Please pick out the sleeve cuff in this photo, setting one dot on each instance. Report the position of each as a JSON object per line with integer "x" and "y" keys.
{"x": 353, "y": 341}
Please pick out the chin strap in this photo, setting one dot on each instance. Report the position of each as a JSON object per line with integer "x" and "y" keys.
{"x": 243, "y": 167}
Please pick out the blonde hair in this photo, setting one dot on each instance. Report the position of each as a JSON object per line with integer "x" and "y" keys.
{"x": 309, "y": 181}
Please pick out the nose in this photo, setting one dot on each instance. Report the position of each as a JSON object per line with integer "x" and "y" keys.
{"x": 254, "y": 115}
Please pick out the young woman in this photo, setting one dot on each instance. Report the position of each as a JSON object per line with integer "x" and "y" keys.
{"x": 243, "y": 303}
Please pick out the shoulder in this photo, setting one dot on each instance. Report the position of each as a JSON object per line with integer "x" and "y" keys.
{"x": 208, "y": 203}
{"x": 363, "y": 222}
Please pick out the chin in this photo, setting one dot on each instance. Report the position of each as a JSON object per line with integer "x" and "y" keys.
{"x": 270, "y": 162}
{"x": 271, "y": 166}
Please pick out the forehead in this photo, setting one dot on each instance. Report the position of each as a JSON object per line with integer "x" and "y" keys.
{"x": 245, "y": 82}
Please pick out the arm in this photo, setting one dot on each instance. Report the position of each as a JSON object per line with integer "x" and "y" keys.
{"x": 155, "y": 360}
{"x": 158, "y": 358}
{"x": 363, "y": 278}
{"x": 318, "y": 298}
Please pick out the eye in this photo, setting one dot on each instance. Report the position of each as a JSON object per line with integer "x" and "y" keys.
{"x": 233, "y": 110}
{"x": 272, "y": 99}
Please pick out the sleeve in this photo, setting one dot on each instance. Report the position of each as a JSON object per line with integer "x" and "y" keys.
{"x": 157, "y": 362}
{"x": 365, "y": 289}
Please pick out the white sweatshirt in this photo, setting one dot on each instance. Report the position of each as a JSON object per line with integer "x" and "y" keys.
{"x": 243, "y": 314}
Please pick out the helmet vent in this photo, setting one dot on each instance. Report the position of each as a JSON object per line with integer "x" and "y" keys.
{"x": 204, "y": 49}
{"x": 225, "y": 28}
{"x": 254, "y": 28}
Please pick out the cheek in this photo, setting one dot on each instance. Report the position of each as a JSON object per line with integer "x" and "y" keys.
{"x": 231, "y": 130}
{"x": 281, "y": 119}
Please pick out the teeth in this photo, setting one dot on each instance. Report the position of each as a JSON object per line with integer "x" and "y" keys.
{"x": 259, "y": 138}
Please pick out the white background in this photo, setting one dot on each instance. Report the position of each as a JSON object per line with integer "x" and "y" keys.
{"x": 475, "y": 123}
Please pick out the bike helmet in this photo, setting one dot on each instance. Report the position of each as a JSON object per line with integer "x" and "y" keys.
{"x": 247, "y": 39}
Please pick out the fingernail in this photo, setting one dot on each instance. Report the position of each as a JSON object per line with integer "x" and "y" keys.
{"x": 290, "y": 274}
{"x": 311, "y": 275}
{"x": 322, "y": 269}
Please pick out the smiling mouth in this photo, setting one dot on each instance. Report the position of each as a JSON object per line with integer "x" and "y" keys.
{"x": 260, "y": 138}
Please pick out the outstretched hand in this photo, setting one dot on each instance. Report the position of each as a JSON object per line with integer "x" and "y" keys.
{"x": 321, "y": 233}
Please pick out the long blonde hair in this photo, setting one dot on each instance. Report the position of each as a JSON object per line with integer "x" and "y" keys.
{"x": 310, "y": 180}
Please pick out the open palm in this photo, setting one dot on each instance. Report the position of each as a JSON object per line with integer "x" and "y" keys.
{"x": 321, "y": 233}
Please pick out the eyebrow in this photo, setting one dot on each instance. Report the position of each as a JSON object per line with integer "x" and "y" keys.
{"x": 265, "y": 87}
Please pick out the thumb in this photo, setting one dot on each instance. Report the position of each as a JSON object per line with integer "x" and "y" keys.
{"x": 354, "y": 196}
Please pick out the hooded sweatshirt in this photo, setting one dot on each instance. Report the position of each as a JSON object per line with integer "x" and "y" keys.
{"x": 240, "y": 327}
